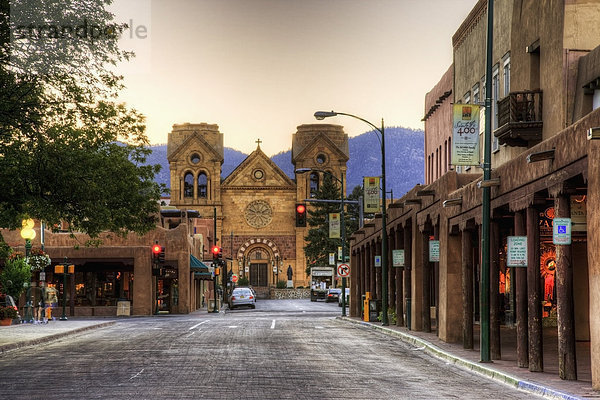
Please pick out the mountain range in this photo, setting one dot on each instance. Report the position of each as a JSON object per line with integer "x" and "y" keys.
{"x": 404, "y": 160}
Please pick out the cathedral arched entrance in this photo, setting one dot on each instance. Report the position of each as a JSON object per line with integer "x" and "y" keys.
{"x": 260, "y": 259}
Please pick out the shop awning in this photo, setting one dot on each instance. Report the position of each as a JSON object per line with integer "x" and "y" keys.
{"x": 199, "y": 269}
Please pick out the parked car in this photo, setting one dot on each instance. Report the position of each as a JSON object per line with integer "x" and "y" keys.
{"x": 347, "y": 298}
{"x": 333, "y": 294}
{"x": 242, "y": 296}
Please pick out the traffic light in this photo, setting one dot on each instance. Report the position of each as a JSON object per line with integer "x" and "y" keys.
{"x": 161, "y": 255}
{"x": 217, "y": 252}
{"x": 300, "y": 215}
{"x": 156, "y": 249}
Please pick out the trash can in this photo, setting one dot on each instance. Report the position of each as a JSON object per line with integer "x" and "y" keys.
{"x": 123, "y": 308}
{"x": 374, "y": 309}
{"x": 210, "y": 306}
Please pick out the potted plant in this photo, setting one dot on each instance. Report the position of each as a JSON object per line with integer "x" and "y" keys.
{"x": 7, "y": 314}
{"x": 38, "y": 260}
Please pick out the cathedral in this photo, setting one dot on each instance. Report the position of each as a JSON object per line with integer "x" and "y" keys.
{"x": 253, "y": 209}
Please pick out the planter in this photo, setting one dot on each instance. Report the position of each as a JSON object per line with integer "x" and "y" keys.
{"x": 5, "y": 322}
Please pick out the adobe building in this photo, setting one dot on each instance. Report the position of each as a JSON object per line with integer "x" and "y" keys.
{"x": 545, "y": 162}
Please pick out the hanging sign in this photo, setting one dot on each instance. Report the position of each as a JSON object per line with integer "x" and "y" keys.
{"x": 331, "y": 258}
{"x": 334, "y": 225}
{"x": 561, "y": 232}
{"x": 371, "y": 194}
{"x": 398, "y": 258}
{"x": 434, "y": 251}
{"x": 516, "y": 255}
{"x": 465, "y": 134}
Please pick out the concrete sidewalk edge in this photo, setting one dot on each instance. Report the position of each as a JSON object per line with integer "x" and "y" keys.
{"x": 50, "y": 338}
{"x": 481, "y": 369}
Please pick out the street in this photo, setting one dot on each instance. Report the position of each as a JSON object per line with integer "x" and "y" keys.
{"x": 284, "y": 349}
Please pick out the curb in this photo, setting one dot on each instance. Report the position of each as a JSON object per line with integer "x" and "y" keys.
{"x": 45, "y": 339}
{"x": 478, "y": 368}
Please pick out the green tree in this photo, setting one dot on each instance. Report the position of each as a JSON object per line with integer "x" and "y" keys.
{"x": 68, "y": 151}
{"x": 14, "y": 275}
{"x": 318, "y": 244}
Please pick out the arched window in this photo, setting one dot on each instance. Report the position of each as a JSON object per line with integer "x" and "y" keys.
{"x": 202, "y": 185}
{"x": 188, "y": 185}
{"x": 314, "y": 184}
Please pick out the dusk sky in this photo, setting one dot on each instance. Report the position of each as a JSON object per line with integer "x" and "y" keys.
{"x": 260, "y": 68}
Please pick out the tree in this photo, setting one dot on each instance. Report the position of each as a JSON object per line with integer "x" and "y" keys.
{"x": 68, "y": 151}
{"x": 318, "y": 244}
{"x": 15, "y": 274}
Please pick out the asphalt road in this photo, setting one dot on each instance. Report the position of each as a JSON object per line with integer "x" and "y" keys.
{"x": 284, "y": 349}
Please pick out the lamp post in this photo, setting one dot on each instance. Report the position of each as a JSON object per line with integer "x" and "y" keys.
{"x": 343, "y": 227}
{"x": 64, "y": 269}
{"x": 28, "y": 233}
{"x": 320, "y": 115}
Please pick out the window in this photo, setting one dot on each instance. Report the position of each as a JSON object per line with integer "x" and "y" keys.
{"x": 188, "y": 185}
{"x": 202, "y": 185}
{"x": 467, "y": 98}
{"x": 314, "y": 184}
{"x": 475, "y": 90}
{"x": 321, "y": 159}
{"x": 495, "y": 95}
{"x": 506, "y": 73}
{"x": 195, "y": 158}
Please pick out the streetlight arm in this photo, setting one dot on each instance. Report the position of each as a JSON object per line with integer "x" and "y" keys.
{"x": 320, "y": 115}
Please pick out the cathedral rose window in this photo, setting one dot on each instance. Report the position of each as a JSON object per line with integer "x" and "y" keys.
{"x": 258, "y": 214}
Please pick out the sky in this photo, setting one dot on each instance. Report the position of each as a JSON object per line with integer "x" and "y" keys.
{"x": 260, "y": 68}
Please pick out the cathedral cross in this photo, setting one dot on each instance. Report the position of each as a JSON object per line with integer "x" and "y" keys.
{"x": 259, "y": 142}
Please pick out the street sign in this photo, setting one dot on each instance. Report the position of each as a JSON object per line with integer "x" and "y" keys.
{"x": 561, "y": 231}
{"x": 434, "y": 251}
{"x": 343, "y": 270}
{"x": 331, "y": 258}
{"x": 234, "y": 278}
{"x": 398, "y": 258}
{"x": 516, "y": 255}
{"x": 378, "y": 261}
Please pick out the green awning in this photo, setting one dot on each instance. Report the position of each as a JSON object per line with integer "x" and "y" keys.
{"x": 199, "y": 269}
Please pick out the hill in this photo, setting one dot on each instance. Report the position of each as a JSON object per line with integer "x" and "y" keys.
{"x": 404, "y": 159}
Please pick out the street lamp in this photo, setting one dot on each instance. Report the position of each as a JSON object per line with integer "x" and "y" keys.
{"x": 320, "y": 115}
{"x": 343, "y": 227}
{"x": 28, "y": 233}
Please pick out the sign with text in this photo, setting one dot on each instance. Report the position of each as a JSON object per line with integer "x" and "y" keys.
{"x": 516, "y": 255}
{"x": 578, "y": 213}
{"x": 398, "y": 258}
{"x": 465, "y": 134}
{"x": 331, "y": 258}
{"x": 334, "y": 225}
{"x": 434, "y": 251}
{"x": 378, "y": 261}
{"x": 561, "y": 232}
{"x": 371, "y": 194}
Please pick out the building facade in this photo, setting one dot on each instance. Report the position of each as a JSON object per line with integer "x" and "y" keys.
{"x": 544, "y": 102}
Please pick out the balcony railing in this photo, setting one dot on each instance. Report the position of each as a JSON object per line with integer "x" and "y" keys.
{"x": 520, "y": 119}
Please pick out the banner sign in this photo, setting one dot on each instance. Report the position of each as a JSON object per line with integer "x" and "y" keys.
{"x": 398, "y": 258}
{"x": 465, "y": 134}
{"x": 334, "y": 225}
{"x": 371, "y": 194}
{"x": 378, "y": 261}
{"x": 331, "y": 258}
{"x": 434, "y": 251}
{"x": 516, "y": 251}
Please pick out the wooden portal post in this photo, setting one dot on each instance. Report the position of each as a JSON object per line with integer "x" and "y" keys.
{"x": 534, "y": 298}
{"x": 426, "y": 265}
{"x": 407, "y": 272}
{"x": 521, "y": 306}
{"x": 391, "y": 271}
{"x": 567, "y": 362}
{"x": 371, "y": 264}
{"x": 467, "y": 288}
{"x": 495, "y": 352}
{"x": 399, "y": 244}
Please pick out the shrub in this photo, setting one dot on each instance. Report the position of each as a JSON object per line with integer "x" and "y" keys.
{"x": 243, "y": 281}
{"x": 281, "y": 284}
{"x": 7, "y": 312}
{"x": 392, "y": 318}
{"x": 13, "y": 277}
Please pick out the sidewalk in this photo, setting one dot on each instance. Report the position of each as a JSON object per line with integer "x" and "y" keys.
{"x": 21, "y": 335}
{"x": 546, "y": 384}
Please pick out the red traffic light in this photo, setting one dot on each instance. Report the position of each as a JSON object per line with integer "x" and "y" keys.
{"x": 156, "y": 249}
{"x": 215, "y": 250}
{"x": 300, "y": 208}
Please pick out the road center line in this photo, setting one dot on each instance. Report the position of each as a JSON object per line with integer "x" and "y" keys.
{"x": 273, "y": 325}
{"x": 198, "y": 324}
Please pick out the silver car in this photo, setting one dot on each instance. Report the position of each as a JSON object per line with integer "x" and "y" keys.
{"x": 242, "y": 297}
